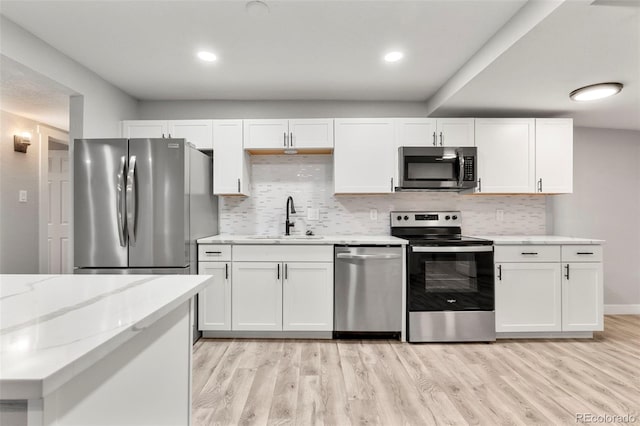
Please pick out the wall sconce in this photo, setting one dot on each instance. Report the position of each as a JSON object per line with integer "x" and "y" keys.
{"x": 21, "y": 142}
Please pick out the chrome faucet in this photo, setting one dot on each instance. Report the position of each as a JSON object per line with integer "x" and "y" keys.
{"x": 287, "y": 223}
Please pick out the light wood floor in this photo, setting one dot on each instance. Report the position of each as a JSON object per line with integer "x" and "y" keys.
{"x": 342, "y": 382}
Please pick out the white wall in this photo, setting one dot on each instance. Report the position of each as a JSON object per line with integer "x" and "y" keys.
{"x": 605, "y": 204}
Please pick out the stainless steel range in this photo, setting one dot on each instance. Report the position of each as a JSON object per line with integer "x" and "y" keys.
{"x": 450, "y": 279}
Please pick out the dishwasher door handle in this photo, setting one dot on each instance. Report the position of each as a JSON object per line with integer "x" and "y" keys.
{"x": 367, "y": 256}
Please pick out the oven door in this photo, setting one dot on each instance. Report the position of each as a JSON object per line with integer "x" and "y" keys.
{"x": 453, "y": 278}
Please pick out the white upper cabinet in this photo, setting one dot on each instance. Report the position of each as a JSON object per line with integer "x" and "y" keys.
{"x": 554, "y": 155}
{"x": 314, "y": 133}
{"x": 506, "y": 155}
{"x": 435, "y": 132}
{"x": 198, "y": 132}
{"x": 364, "y": 155}
{"x": 231, "y": 164}
{"x": 133, "y": 129}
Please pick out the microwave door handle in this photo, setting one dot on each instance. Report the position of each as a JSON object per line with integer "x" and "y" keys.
{"x": 460, "y": 168}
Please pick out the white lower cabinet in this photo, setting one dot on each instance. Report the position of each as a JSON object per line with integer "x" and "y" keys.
{"x": 214, "y": 303}
{"x": 257, "y": 296}
{"x": 548, "y": 288}
{"x": 307, "y": 297}
{"x": 528, "y": 297}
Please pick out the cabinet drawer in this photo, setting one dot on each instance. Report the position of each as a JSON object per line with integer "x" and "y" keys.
{"x": 583, "y": 253}
{"x": 214, "y": 252}
{"x": 527, "y": 253}
{"x": 283, "y": 253}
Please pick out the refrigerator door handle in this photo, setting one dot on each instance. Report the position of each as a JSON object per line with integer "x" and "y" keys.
{"x": 120, "y": 191}
{"x": 131, "y": 201}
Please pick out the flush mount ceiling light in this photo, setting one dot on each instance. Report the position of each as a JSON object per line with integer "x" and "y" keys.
{"x": 207, "y": 56}
{"x": 257, "y": 8}
{"x": 393, "y": 56}
{"x": 595, "y": 91}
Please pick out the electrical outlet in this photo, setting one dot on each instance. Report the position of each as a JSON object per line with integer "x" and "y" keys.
{"x": 499, "y": 215}
{"x": 373, "y": 214}
{"x": 22, "y": 196}
{"x": 313, "y": 214}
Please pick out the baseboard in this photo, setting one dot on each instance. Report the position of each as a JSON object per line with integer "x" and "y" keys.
{"x": 627, "y": 309}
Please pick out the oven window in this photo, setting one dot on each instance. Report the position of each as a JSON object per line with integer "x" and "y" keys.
{"x": 459, "y": 275}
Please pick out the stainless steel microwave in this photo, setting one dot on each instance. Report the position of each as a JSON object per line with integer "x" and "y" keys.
{"x": 437, "y": 168}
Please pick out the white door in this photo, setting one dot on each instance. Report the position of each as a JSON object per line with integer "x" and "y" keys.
{"x": 582, "y": 305}
{"x": 59, "y": 209}
{"x": 266, "y": 134}
{"x": 132, "y": 129}
{"x": 416, "y": 132}
{"x": 312, "y": 133}
{"x": 230, "y": 162}
{"x": 455, "y": 132}
{"x": 256, "y": 296}
{"x": 506, "y": 154}
{"x": 214, "y": 303}
{"x": 198, "y": 132}
{"x": 554, "y": 155}
{"x": 364, "y": 156}
{"x": 528, "y": 297}
{"x": 307, "y": 296}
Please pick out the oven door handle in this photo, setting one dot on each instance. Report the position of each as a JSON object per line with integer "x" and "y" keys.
{"x": 461, "y": 249}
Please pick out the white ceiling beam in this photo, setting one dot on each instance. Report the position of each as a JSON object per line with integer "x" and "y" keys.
{"x": 529, "y": 15}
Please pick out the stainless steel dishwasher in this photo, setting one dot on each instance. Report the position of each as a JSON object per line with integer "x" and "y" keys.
{"x": 368, "y": 290}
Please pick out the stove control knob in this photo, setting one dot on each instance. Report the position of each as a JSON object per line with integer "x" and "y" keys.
{"x": 399, "y": 218}
{"x": 447, "y": 217}
{"x": 406, "y": 218}
{"x": 454, "y": 217}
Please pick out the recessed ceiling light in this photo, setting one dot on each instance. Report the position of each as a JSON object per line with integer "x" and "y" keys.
{"x": 207, "y": 56}
{"x": 595, "y": 91}
{"x": 393, "y": 56}
{"x": 257, "y": 8}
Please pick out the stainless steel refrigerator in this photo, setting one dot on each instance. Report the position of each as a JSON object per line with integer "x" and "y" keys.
{"x": 140, "y": 205}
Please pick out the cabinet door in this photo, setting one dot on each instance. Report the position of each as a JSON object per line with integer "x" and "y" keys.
{"x": 416, "y": 132}
{"x": 314, "y": 133}
{"x": 554, "y": 155}
{"x": 363, "y": 157}
{"x": 528, "y": 297}
{"x": 506, "y": 155}
{"x": 307, "y": 296}
{"x": 230, "y": 161}
{"x": 455, "y": 132}
{"x": 257, "y": 296}
{"x": 214, "y": 303}
{"x": 198, "y": 132}
{"x": 266, "y": 134}
{"x": 141, "y": 129}
{"x": 582, "y": 303}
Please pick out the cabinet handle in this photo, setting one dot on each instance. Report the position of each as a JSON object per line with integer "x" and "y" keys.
{"x": 284, "y": 139}
{"x": 500, "y": 272}
{"x": 532, "y": 253}
{"x": 391, "y": 184}
{"x": 435, "y": 142}
{"x": 286, "y": 272}
{"x": 441, "y": 138}
{"x": 585, "y": 252}
{"x": 213, "y": 252}
{"x": 540, "y": 185}
{"x": 163, "y": 136}
{"x": 169, "y": 135}
{"x": 567, "y": 276}
{"x": 238, "y": 185}
{"x": 226, "y": 271}
{"x": 479, "y": 184}
{"x": 278, "y": 271}
{"x": 291, "y": 139}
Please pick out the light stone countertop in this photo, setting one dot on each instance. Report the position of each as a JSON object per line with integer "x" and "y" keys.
{"x": 537, "y": 239}
{"x": 301, "y": 239}
{"x": 53, "y": 327}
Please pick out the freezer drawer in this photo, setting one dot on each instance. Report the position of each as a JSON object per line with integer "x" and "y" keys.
{"x": 368, "y": 289}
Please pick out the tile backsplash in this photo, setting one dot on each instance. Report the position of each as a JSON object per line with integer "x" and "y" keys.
{"x": 309, "y": 180}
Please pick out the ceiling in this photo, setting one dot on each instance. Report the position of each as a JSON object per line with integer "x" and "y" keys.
{"x": 332, "y": 50}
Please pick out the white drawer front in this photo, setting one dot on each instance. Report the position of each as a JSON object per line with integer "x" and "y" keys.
{"x": 283, "y": 253}
{"x": 214, "y": 252}
{"x": 527, "y": 253}
{"x": 583, "y": 253}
